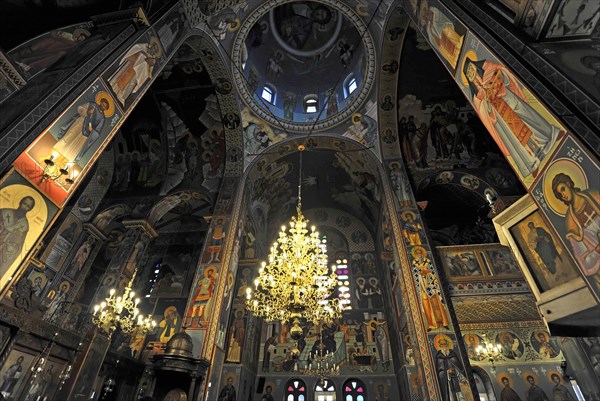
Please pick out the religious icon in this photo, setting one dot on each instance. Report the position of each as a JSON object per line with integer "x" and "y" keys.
{"x": 170, "y": 323}
{"x": 411, "y": 228}
{"x": 523, "y": 129}
{"x": 24, "y": 214}
{"x": 13, "y": 372}
{"x": 544, "y": 344}
{"x": 135, "y": 69}
{"x": 511, "y": 344}
{"x": 576, "y": 197}
{"x": 449, "y": 368}
{"x": 228, "y": 391}
{"x": 237, "y": 333}
{"x": 460, "y": 263}
{"x": 502, "y": 261}
{"x": 43, "y": 51}
{"x": 559, "y": 391}
{"x": 535, "y": 392}
{"x": 445, "y": 33}
{"x": 507, "y": 393}
{"x": 429, "y": 288}
{"x": 202, "y": 298}
{"x": 472, "y": 341}
{"x": 64, "y": 150}
{"x": 57, "y": 301}
{"x": 546, "y": 258}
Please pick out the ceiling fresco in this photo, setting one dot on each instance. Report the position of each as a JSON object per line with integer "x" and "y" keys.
{"x": 335, "y": 174}
{"x": 453, "y": 164}
{"x": 290, "y": 45}
{"x": 285, "y": 47}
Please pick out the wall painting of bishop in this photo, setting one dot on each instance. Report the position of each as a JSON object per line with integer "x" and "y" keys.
{"x": 519, "y": 123}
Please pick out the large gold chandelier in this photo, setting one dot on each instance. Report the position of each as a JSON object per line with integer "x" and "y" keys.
{"x": 296, "y": 283}
{"x": 121, "y": 311}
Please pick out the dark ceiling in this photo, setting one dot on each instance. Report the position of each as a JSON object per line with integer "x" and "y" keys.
{"x": 21, "y": 20}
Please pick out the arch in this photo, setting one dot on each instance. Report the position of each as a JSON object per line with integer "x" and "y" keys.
{"x": 201, "y": 41}
{"x": 359, "y": 162}
{"x": 325, "y": 390}
{"x": 295, "y": 390}
{"x": 194, "y": 200}
{"x": 110, "y": 214}
{"x": 487, "y": 389}
{"x": 354, "y": 390}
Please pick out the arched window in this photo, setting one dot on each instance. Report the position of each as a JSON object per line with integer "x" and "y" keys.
{"x": 311, "y": 103}
{"x": 325, "y": 391}
{"x": 342, "y": 272}
{"x": 350, "y": 85}
{"x": 268, "y": 93}
{"x": 354, "y": 390}
{"x": 295, "y": 390}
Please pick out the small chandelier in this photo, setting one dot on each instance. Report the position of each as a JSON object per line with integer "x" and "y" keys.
{"x": 122, "y": 311}
{"x": 296, "y": 283}
{"x": 321, "y": 364}
{"x": 53, "y": 171}
{"x": 490, "y": 351}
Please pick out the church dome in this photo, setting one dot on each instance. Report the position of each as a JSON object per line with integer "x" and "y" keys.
{"x": 304, "y": 64}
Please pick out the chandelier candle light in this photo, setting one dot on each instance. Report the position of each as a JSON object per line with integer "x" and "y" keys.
{"x": 296, "y": 283}
{"x": 489, "y": 351}
{"x": 121, "y": 310}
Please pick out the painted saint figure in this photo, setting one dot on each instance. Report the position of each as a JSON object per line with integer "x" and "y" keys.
{"x": 441, "y": 32}
{"x": 135, "y": 68}
{"x": 431, "y": 297}
{"x": 535, "y": 393}
{"x": 559, "y": 391}
{"x": 449, "y": 369}
{"x": 169, "y": 324}
{"x": 269, "y": 347}
{"x": 236, "y": 339}
{"x": 540, "y": 241}
{"x": 42, "y": 52}
{"x": 411, "y": 229}
{"x": 582, "y": 222}
{"x": 228, "y": 392}
{"x": 508, "y": 394}
{"x": 267, "y": 396}
{"x": 81, "y": 256}
{"x": 83, "y": 129}
{"x": 14, "y": 227}
{"x": 518, "y": 129}
{"x": 11, "y": 377}
{"x": 203, "y": 296}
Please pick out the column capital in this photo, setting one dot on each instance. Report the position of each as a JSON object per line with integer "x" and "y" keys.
{"x": 142, "y": 225}
{"x": 94, "y": 231}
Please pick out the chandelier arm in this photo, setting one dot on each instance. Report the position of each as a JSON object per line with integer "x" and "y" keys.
{"x": 300, "y": 149}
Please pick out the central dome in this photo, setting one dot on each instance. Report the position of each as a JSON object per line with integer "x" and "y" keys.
{"x": 304, "y": 64}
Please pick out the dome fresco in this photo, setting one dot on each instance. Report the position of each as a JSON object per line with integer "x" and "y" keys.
{"x": 303, "y": 64}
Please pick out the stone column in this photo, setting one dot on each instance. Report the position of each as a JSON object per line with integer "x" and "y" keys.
{"x": 445, "y": 369}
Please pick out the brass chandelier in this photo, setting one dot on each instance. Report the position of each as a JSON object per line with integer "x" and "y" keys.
{"x": 321, "y": 363}
{"x": 296, "y": 283}
{"x": 122, "y": 311}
